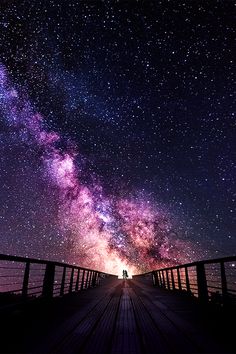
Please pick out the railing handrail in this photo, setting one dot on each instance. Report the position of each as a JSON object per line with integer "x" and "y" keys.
{"x": 196, "y": 279}
{"x": 5, "y": 257}
{"x": 53, "y": 278}
{"x": 193, "y": 264}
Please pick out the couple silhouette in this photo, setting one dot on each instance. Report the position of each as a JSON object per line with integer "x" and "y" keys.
{"x": 125, "y": 274}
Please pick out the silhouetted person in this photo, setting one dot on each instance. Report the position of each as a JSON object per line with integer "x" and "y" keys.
{"x": 125, "y": 274}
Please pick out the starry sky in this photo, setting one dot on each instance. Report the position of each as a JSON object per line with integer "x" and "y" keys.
{"x": 117, "y": 131}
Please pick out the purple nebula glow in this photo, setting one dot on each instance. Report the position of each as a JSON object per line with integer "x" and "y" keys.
{"x": 104, "y": 232}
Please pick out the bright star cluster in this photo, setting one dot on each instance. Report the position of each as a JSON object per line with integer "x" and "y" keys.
{"x": 117, "y": 131}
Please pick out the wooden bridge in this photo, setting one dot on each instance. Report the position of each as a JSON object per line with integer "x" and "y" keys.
{"x": 51, "y": 307}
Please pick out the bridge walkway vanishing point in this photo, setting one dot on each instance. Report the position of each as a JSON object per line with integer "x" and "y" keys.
{"x": 119, "y": 317}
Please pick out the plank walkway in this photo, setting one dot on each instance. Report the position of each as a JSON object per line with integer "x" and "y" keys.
{"x": 119, "y": 317}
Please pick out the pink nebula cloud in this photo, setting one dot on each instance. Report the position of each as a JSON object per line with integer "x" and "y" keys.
{"x": 102, "y": 232}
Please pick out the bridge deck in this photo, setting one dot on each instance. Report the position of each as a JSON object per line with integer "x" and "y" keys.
{"x": 120, "y": 317}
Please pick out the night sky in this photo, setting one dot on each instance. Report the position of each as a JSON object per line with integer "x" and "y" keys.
{"x": 117, "y": 131}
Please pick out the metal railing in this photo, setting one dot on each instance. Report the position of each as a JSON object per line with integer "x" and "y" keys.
{"x": 210, "y": 281}
{"x": 28, "y": 278}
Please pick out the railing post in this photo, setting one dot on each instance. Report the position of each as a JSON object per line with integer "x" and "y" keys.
{"x": 155, "y": 279}
{"x": 86, "y": 282}
{"x": 167, "y": 280}
{"x": 48, "y": 281}
{"x": 179, "y": 279}
{"x": 77, "y": 281}
{"x": 223, "y": 282}
{"x": 71, "y": 280}
{"x": 187, "y": 280}
{"x": 89, "y": 279}
{"x": 26, "y": 279}
{"x": 202, "y": 283}
{"x": 82, "y": 281}
{"x": 93, "y": 279}
{"x": 172, "y": 279}
{"x": 160, "y": 279}
{"x": 94, "y": 274}
{"x": 96, "y": 279}
{"x": 163, "y": 279}
{"x": 63, "y": 281}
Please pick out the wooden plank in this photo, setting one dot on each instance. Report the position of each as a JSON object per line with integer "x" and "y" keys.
{"x": 120, "y": 317}
{"x": 73, "y": 341}
{"x": 189, "y": 330}
{"x": 101, "y": 337}
{"x": 80, "y": 305}
{"x": 176, "y": 339}
{"x": 126, "y": 338}
{"x": 152, "y": 339}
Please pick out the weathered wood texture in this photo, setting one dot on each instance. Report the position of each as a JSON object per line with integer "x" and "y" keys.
{"x": 120, "y": 317}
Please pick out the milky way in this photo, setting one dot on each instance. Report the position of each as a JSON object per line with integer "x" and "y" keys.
{"x": 117, "y": 131}
{"x": 105, "y": 233}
